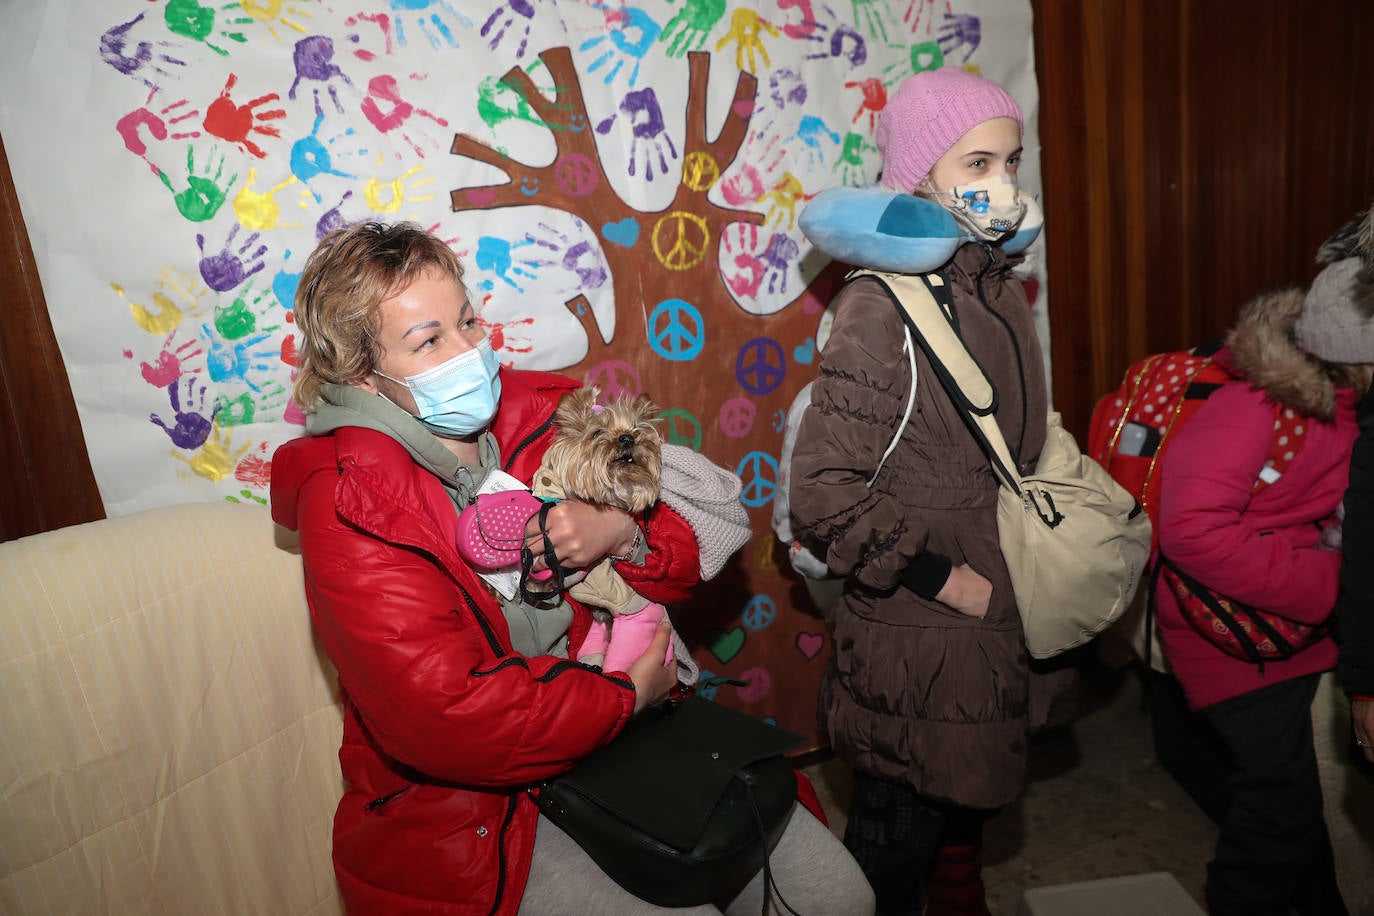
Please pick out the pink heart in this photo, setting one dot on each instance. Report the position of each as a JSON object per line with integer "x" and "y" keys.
{"x": 810, "y": 644}
{"x": 480, "y": 197}
{"x": 744, "y": 107}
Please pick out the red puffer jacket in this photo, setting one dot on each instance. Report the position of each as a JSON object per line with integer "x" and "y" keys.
{"x": 444, "y": 723}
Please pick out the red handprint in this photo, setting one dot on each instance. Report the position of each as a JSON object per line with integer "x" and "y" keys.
{"x": 874, "y": 99}
{"x": 234, "y": 123}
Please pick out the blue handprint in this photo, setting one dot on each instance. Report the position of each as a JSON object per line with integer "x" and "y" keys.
{"x": 649, "y": 135}
{"x": 503, "y": 19}
{"x": 227, "y": 269}
{"x": 497, "y": 255}
{"x": 811, "y": 131}
{"x": 229, "y": 362}
{"x": 311, "y": 157}
{"x": 190, "y": 424}
{"x": 433, "y": 19}
{"x": 314, "y": 60}
{"x": 139, "y": 61}
{"x": 623, "y": 22}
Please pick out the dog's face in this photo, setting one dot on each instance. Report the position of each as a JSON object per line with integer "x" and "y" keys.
{"x": 608, "y": 454}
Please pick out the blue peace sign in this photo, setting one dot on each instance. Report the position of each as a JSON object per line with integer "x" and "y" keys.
{"x": 760, "y": 365}
{"x": 759, "y": 613}
{"x": 759, "y": 471}
{"x": 676, "y": 331}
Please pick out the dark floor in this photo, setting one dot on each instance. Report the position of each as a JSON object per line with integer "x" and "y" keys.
{"x": 1098, "y": 804}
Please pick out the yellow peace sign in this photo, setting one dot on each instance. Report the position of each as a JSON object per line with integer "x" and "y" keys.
{"x": 680, "y": 240}
{"x": 700, "y": 171}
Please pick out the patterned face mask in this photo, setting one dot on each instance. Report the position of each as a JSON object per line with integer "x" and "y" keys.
{"x": 990, "y": 209}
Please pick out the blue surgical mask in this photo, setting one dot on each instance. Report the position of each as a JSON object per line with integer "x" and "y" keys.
{"x": 457, "y": 397}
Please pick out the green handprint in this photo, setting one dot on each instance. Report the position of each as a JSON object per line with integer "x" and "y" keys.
{"x": 203, "y": 196}
{"x": 240, "y": 318}
{"x": 871, "y": 18}
{"x": 247, "y": 495}
{"x": 687, "y": 30}
{"x": 851, "y": 162}
{"x": 244, "y": 409}
{"x": 191, "y": 20}
{"x": 497, "y": 102}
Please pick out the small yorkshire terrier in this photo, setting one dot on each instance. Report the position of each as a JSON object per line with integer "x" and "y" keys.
{"x": 607, "y": 455}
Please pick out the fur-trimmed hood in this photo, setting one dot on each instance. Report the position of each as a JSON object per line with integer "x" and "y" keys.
{"x": 1263, "y": 352}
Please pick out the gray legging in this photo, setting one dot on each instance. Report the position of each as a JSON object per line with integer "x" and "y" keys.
{"x": 812, "y": 869}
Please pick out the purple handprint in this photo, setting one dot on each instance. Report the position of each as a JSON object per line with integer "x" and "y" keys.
{"x": 314, "y": 60}
{"x": 190, "y": 426}
{"x": 507, "y": 14}
{"x": 845, "y": 42}
{"x": 962, "y": 30}
{"x": 233, "y": 362}
{"x": 226, "y": 270}
{"x": 786, "y": 87}
{"x": 781, "y": 252}
{"x": 114, "y": 51}
{"x": 333, "y": 219}
{"x": 648, "y": 131}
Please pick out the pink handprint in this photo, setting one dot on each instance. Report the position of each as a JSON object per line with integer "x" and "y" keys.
{"x": 172, "y": 362}
{"x": 383, "y": 24}
{"x": 227, "y": 269}
{"x": 190, "y": 423}
{"x": 383, "y": 90}
{"x": 235, "y": 123}
{"x": 131, "y": 126}
{"x": 140, "y": 60}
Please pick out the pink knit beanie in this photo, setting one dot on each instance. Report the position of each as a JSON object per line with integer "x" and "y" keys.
{"x": 928, "y": 114}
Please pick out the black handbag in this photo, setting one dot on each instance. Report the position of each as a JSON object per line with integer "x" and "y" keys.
{"x": 684, "y": 806}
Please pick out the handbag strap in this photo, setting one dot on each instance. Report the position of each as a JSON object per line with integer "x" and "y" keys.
{"x": 965, "y": 381}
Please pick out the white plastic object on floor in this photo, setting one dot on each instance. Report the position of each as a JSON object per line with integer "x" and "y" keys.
{"x": 1152, "y": 894}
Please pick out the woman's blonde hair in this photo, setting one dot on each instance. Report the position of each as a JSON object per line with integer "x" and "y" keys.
{"x": 341, "y": 289}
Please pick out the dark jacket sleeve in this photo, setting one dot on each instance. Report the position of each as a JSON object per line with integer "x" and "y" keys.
{"x": 1355, "y": 612}
{"x": 856, "y": 405}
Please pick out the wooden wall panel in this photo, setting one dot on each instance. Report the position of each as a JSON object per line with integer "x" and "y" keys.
{"x": 45, "y": 474}
{"x": 1194, "y": 154}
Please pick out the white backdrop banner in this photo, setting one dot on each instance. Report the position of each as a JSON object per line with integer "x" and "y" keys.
{"x": 621, "y": 181}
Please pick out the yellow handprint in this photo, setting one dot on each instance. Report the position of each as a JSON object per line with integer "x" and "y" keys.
{"x": 214, "y": 461}
{"x": 169, "y": 314}
{"x": 270, "y": 11}
{"x": 387, "y": 197}
{"x": 259, "y": 211}
{"x": 745, "y": 26}
{"x": 785, "y": 195}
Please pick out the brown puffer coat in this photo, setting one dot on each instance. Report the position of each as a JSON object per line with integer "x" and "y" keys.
{"x": 917, "y": 692}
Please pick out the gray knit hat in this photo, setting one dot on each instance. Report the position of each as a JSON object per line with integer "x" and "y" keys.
{"x": 1335, "y": 325}
{"x": 708, "y": 497}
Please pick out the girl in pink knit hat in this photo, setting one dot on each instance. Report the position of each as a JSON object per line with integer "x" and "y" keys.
{"x": 928, "y": 695}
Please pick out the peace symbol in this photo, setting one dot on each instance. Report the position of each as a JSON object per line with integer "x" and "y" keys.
{"x": 757, "y": 684}
{"x": 683, "y": 428}
{"x": 760, "y": 365}
{"x": 737, "y": 417}
{"x": 577, "y": 175}
{"x": 759, "y": 472}
{"x": 699, "y": 171}
{"x": 759, "y": 613}
{"x": 676, "y": 331}
{"x": 680, "y": 240}
{"x": 615, "y": 378}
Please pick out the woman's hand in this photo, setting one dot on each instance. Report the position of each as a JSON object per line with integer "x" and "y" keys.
{"x": 1362, "y": 713}
{"x": 652, "y": 678}
{"x": 582, "y": 534}
{"x": 967, "y": 591}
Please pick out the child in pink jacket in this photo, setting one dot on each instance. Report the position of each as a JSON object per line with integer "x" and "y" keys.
{"x": 1250, "y": 488}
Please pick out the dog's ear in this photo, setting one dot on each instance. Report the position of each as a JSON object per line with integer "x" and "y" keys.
{"x": 644, "y": 407}
{"x": 575, "y": 410}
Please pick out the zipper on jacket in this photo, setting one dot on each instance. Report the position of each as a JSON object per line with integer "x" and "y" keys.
{"x": 372, "y": 806}
{"x": 528, "y": 441}
{"x": 511, "y": 802}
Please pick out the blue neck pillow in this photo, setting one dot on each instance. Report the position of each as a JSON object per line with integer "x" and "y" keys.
{"x": 890, "y": 231}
